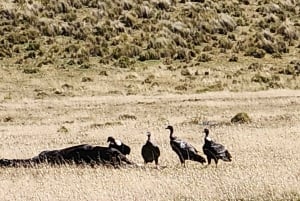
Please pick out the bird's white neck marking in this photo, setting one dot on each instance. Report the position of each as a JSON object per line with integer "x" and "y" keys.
{"x": 182, "y": 145}
{"x": 118, "y": 142}
{"x": 208, "y": 139}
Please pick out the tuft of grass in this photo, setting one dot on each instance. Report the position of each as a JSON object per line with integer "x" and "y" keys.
{"x": 255, "y": 52}
{"x": 8, "y": 119}
{"x": 124, "y": 62}
{"x": 86, "y": 79}
{"x": 127, "y": 117}
{"x": 204, "y": 57}
{"x": 260, "y": 78}
{"x": 106, "y": 124}
{"x": 30, "y": 70}
{"x": 150, "y": 54}
{"x": 241, "y": 118}
{"x": 62, "y": 129}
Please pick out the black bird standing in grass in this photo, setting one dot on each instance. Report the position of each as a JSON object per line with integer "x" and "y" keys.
{"x": 150, "y": 151}
{"x": 117, "y": 144}
{"x": 214, "y": 151}
{"x": 184, "y": 150}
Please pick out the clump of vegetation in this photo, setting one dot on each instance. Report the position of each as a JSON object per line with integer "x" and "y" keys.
{"x": 255, "y": 67}
{"x": 106, "y": 124}
{"x": 150, "y": 54}
{"x": 217, "y": 86}
{"x": 7, "y": 119}
{"x": 181, "y": 87}
{"x": 41, "y": 95}
{"x": 287, "y": 30}
{"x": 260, "y": 78}
{"x": 195, "y": 120}
{"x": 34, "y": 46}
{"x": 127, "y": 117}
{"x": 30, "y": 70}
{"x": 124, "y": 62}
{"x": 233, "y": 58}
{"x": 149, "y": 79}
{"x": 86, "y": 79}
{"x": 241, "y": 118}
{"x": 5, "y": 52}
{"x": 63, "y": 129}
{"x": 204, "y": 57}
{"x": 103, "y": 73}
{"x": 291, "y": 70}
{"x": 255, "y": 52}
{"x": 225, "y": 43}
{"x": 186, "y": 72}
{"x": 85, "y": 66}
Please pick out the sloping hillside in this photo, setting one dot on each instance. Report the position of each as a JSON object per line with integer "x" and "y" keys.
{"x": 144, "y": 30}
{"x": 259, "y": 36}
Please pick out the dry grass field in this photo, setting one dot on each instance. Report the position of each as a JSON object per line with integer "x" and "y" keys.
{"x": 78, "y": 71}
{"x": 265, "y": 162}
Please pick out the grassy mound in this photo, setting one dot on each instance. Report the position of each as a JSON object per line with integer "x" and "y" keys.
{"x": 241, "y": 117}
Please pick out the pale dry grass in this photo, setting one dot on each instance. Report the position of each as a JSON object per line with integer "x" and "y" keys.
{"x": 265, "y": 152}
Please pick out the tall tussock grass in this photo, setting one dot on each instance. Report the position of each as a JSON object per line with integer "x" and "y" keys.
{"x": 154, "y": 29}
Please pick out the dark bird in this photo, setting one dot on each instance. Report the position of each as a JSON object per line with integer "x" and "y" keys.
{"x": 117, "y": 144}
{"x": 80, "y": 155}
{"x": 184, "y": 150}
{"x": 214, "y": 151}
{"x": 150, "y": 151}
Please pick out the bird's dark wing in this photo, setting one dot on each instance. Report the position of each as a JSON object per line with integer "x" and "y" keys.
{"x": 218, "y": 148}
{"x": 125, "y": 149}
{"x": 145, "y": 150}
{"x": 192, "y": 148}
{"x": 156, "y": 149}
{"x": 176, "y": 147}
{"x": 185, "y": 145}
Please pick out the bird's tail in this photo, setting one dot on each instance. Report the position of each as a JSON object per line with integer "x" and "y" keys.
{"x": 17, "y": 162}
{"x": 227, "y": 156}
{"x": 199, "y": 158}
{"x": 123, "y": 158}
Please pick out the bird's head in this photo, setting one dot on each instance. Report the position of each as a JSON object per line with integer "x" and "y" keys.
{"x": 206, "y": 131}
{"x": 148, "y": 134}
{"x": 169, "y": 127}
{"x": 110, "y": 139}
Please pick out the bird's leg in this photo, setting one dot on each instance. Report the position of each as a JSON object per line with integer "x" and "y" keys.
{"x": 208, "y": 161}
{"x": 156, "y": 164}
{"x": 182, "y": 160}
{"x": 216, "y": 161}
{"x": 145, "y": 165}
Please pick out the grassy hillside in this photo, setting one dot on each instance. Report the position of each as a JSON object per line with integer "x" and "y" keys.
{"x": 201, "y": 45}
